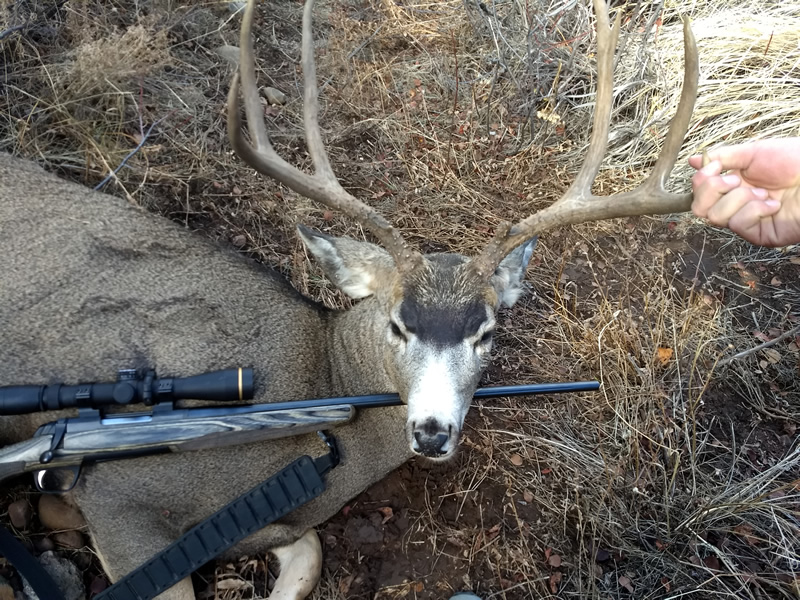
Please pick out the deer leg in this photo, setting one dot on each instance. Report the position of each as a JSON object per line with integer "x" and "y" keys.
{"x": 301, "y": 568}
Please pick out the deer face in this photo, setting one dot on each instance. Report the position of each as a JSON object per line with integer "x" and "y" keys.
{"x": 434, "y": 327}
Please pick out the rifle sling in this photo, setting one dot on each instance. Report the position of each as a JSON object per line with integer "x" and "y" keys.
{"x": 27, "y": 566}
{"x": 279, "y": 495}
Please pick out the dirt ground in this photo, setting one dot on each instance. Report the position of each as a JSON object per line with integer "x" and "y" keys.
{"x": 679, "y": 478}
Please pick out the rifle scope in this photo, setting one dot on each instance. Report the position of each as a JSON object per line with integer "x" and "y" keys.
{"x": 131, "y": 387}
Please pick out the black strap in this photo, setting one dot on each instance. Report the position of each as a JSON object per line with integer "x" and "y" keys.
{"x": 33, "y": 572}
{"x": 282, "y": 493}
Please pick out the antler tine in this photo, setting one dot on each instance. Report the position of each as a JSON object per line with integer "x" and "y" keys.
{"x": 607, "y": 38}
{"x": 322, "y": 186}
{"x": 578, "y": 204}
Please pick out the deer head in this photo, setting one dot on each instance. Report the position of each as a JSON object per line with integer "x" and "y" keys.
{"x": 437, "y": 312}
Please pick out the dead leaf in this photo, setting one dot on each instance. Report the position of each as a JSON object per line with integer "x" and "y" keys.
{"x": 695, "y": 560}
{"x": 776, "y": 281}
{"x": 387, "y": 513}
{"x": 712, "y": 562}
{"x": 661, "y": 545}
{"x": 547, "y": 471}
{"x": 665, "y": 583}
{"x": 554, "y": 561}
{"x": 419, "y": 586}
{"x": 345, "y": 583}
{"x": 232, "y": 583}
{"x": 237, "y": 191}
{"x": 493, "y": 532}
{"x": 761, "y": 336}
{"x": 773, "y": 356}
{"x": 626, "y": 583}
{"x": 795, "y": 260}
{"x": 555, "y": 579}
{"x": 664, "y": 354}
{"x": 597, "y": 570}
{"x": 751, "y": 284}
{"x": 516, "y": 460}
{"x": 746, "y": 531}
{"x": 527, "y": 495}
{"x": 327, "y": 215}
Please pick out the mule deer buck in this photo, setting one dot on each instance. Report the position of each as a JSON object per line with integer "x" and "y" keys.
{"x": 91, "y": 285}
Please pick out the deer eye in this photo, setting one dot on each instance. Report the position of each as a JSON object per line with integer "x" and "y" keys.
{"x": 486, "y": 338}
{"x": 396, "y": 331}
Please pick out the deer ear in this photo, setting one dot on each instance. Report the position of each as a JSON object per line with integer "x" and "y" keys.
{"x": 507, "y": 279}
{"x": 354, "y": 267}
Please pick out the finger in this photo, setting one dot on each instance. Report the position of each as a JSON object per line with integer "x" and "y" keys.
{"x": 699, "y": 161}
{"x": 752, "y": 221}
{"x": 731, "y": 203}
{"x": 736, "y": 157}
{"x": 709, "y": 187}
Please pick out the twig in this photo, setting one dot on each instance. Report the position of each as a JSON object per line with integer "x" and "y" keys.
{"x": 11, "y": 30}
{"x": 744, "y": 353}
{"x": 113, "y": 173}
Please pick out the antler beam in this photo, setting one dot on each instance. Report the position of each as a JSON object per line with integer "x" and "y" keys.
{"x": 578, "y": 204}
{"x": 322, "y": 186}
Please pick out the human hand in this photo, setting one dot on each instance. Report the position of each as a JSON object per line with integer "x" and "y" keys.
{"x": 759, "y": 197}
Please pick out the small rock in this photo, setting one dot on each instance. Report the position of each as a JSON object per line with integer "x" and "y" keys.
{"x": 98, "y": 585}
{"x": 229, "y": 53}
{"x": 273, "y": 96}
{"x": 44, "y": 544}
{"x": 54, "y": 513}
{"x": 65, "y": 575}
{"x": 69, "y": 539}
{"x": 20, "y": 513}
{"x": 82, "y": 559}
{"x": 6, "y": 591}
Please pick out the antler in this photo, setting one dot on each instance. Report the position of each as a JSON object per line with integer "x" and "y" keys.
{"x": 578, "y": 204}
{"x": 322, "y": 186}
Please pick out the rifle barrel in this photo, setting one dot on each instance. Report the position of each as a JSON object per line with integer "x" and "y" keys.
{"x": 376, "y": 400}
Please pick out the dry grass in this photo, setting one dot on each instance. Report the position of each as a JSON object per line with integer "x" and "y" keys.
{"x": 681, "y": 475}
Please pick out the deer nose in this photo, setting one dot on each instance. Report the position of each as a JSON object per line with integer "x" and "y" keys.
{"x": 431, "y": 439}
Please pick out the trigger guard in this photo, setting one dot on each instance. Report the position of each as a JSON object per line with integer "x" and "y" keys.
{"x": 39, "y": 479}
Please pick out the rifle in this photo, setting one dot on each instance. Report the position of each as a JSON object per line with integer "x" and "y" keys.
{"x": 97, "y": 435}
